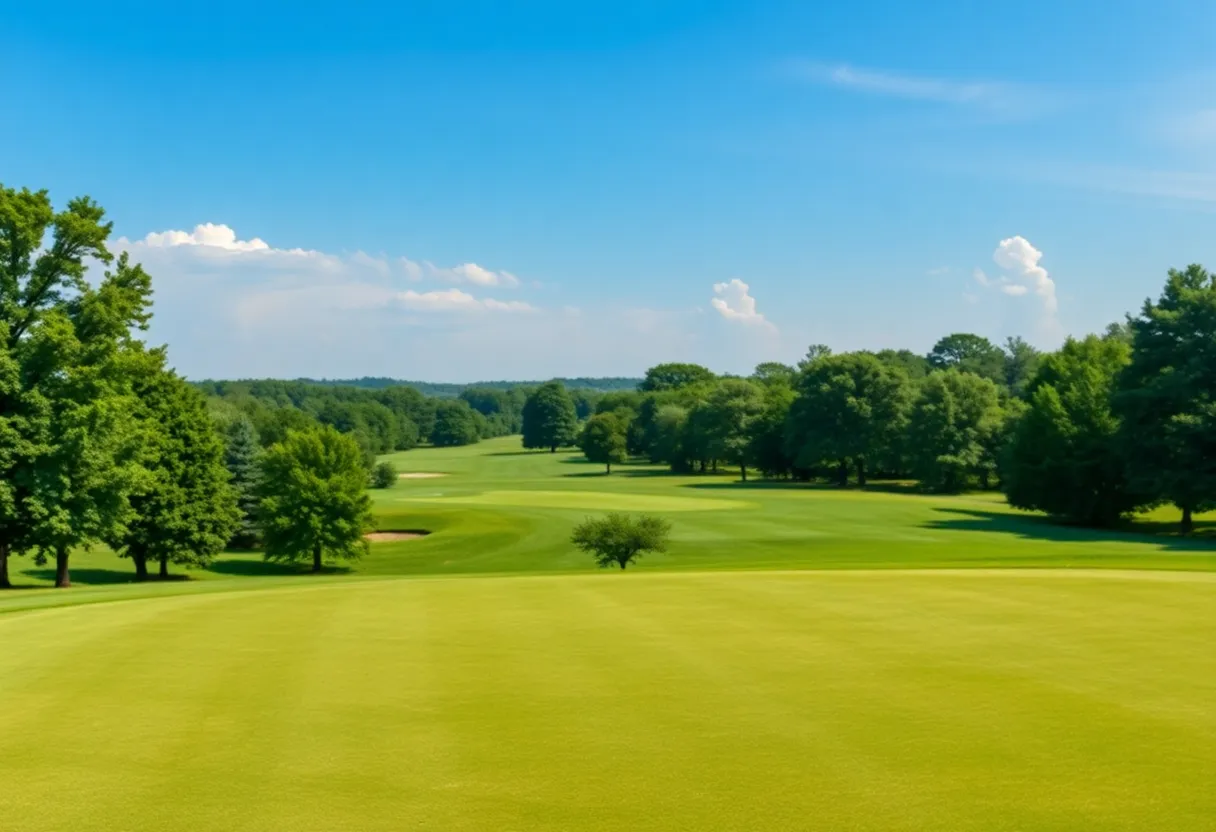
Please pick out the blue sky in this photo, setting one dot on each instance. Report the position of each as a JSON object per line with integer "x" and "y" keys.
{"x": 471, "y": 190}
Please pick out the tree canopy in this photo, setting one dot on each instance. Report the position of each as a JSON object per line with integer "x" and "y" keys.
{"x": 549, "y": 420}
{"x": 603, "y": 440}
{"x": 619, "y": 539}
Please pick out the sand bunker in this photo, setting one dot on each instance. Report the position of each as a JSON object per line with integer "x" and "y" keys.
{"x": 388, "y": 537}
{"x": 419, "y": 475}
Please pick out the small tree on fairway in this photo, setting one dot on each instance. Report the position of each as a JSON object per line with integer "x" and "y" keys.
{"x": 549, "y": 420}
{"x": 619, "y": 540}
{"x": 314, "y": 498}
{"x": 603, "y": 440}
{"x": 384, "y": 475}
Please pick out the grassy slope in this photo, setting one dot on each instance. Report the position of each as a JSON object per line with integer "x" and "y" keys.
{"x": 501, "y": 510}
{"x": 698, "y": 701}
{"x": 680, "y": 697}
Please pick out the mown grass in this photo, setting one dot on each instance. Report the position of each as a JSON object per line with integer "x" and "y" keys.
{"x": 799, "y": 660}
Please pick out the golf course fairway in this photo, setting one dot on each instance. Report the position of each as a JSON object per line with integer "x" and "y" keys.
{"x": 802, "y": 659}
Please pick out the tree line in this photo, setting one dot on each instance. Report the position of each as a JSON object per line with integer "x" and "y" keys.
{"x": 102, "y": 443}
{"x": 1104, "y": 427}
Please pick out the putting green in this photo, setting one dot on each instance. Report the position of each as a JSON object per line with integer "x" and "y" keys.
{"x": 589, "y": 500}
{"x": 981, "y": 700}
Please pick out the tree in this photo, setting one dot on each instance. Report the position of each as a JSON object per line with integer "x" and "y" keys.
{"x": 766, "y": 433}
{"x": 950, "y": 430}
{"x": 730, "y": 410}
{"x": 774, "y": 372}
{"x": 549, "y": 420}
{"x": 914, "y": 366}
{"x": 668, "y": 443}
{"x": 384, "y": 475}
{"x": 1167, "y": 395}
{"x": 242, "y": 455}
{"x": 70, "y": 461}
{"x": 603, "y": 440}
{"x": 1021, "y": 363}
{"x": 314, "y": 498}
{"x": 674, "y": 376}
{"x": 186, "y": 510}
{"x": 1065, "y": 457}
{"x": 849, "y": 408}
{"x": 455, "y": 424}
{"x": 619, "y": 540}
{"x": 970, "y": 353}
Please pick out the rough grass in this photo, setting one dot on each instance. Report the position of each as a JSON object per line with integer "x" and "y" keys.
{"x": 795, "y": 662}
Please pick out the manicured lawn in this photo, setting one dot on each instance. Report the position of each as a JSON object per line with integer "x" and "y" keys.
{"x": 981, "y": 700}
{"x": 799, "y": 660}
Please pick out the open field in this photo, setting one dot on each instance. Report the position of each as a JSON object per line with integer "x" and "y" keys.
{"x": 792, "y": 663}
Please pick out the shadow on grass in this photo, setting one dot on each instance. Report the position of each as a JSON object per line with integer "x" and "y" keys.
{"x": 92, "y": 577}
{"x": 524, "y": 452}
{"x": 882, "y": 487}
{"x": 1035, "y": 527}
{"x": 266, "y": 568}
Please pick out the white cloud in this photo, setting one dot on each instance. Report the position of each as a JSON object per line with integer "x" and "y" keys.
{"x": 735, "y": 303}
{"x": 455, "y": 299}
{"x": 473, "y": 273}
{"x": 206, "y": 234}
{"x": 1010, "y": 100}
{"x": 1018, "y": 256}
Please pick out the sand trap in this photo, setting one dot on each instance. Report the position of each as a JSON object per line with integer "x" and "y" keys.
{"x": 387, "y": 537}
{"x": 419, "y": 475}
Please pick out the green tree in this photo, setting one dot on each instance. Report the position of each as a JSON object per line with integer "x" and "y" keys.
{"x": 970, "y": 353}
{"x": 619, "y": 540}
{"x": 186, "y": 510}
{"x": 674, "y": 376}
{"x": 731, "y": 409}
{"x": 1065, "y": 458}
{"x": 668, "y": 442}
{"x": 314, "y": 498}
{"x": 549, "y": 420}
{"x": 1167, "y": 395}
{"x": 774, "y": 372}
{"x": 455, "y": 424}
{"x": 1021, "y": 363}
{"x": 915, "y": 366}
{"x": 766, "y": 433}
{"x": 242, "y": 458}
{"x": 603, "y": 440}
{"x": 384, "y": 475}
{"x": 950, "y": 430}
{"x": 849, "y": 409}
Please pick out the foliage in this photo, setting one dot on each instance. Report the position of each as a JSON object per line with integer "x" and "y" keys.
{"x": 603, "y": 440}
{"x": 969, "y": 353}
{"x": 619, "y": 539}
{"x": 950, "y": 430}
{"x": 549, "y": 420}
{"x": 1065, "y": 458}
{"x": 185, "y": 511}
{"x": 384, "y": 475}
{"x": 455, "y": 424}
{"x": 314, "y": 498}
{"x": 1021, "y": 364}
{"x": 242, "y": 458}
{"x": 729, "y": 412}
{"x": 849, "y": 408}
{"x": 674, "y": 376}
{"x": 1167, "y": 394}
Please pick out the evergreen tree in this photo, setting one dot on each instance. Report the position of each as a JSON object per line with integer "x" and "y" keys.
{"x": 242, "y": 458}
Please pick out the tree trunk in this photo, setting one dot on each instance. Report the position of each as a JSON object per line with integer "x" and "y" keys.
{"x": 842, "y": 474}
{"x": 552, "y": 449}
{"x": 1188, "y": 523}
{"x": 164, "y": 567}
{"x": 609, "y": 466}
{"x": 861, "y": 473}
{"x": 63, "y": 578}
{"x": 702, "y": 466}
{"x": 743, "y": 472}
{"x": 141, "y": 566}
{"x": 316, "y": 558}
{"x": 4, "y": 581}
{"x": 984, "y": 479}
{"x": 714, "y": 468}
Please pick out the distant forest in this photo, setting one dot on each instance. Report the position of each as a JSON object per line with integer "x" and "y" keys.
{"x": 444, "y": 390}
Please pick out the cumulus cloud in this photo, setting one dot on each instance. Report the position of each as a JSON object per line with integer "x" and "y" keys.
{"x": 456, "y": 300}
{"x": 206, "y": 234}
{"x": 734, "y": 302}
{"x": 1019, "y": 257}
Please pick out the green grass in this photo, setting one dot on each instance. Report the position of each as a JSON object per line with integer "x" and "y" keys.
{"x": 799, "y": 660}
